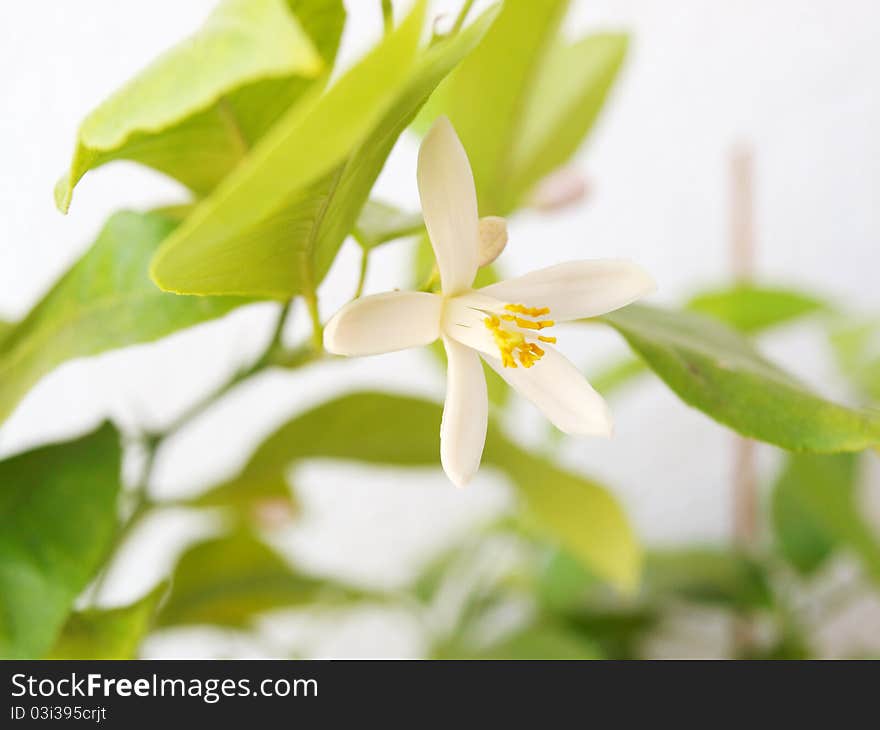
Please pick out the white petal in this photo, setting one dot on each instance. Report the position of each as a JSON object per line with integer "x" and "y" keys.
{"x": 449, "y": 205}
{"x": 384, "y": 323}
{"x": 465, "y": 414}
{"x": 464, "y": 320}
{"x": 577, "y": 289}
{"x": 561, "y": 393}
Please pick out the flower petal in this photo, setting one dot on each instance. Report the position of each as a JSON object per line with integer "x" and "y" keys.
{"x": 449, "y": 205}
{"x": 465, "y": 414}
{"x": 384, "y": 323}
{"x": 561, "y": 393}
{"x": 577, "y": 289}
{"x": 464, "y": 321}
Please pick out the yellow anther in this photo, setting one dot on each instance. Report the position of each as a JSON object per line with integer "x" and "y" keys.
{"x": 529, "y": 311}
{"x": 511, "y": 343}
{"x": 527, "y": 324}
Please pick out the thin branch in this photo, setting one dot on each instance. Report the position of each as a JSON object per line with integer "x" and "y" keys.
{"x": 462, "y": 16}
{"x": 387, "y": 16}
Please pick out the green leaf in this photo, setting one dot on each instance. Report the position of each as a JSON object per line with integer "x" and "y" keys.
{"x": 380, "y": 222}
{"x": 583, "y": 516}
{"x": 5, "y": 329}
{"x": 106, "y": 301}
{"x": 378, "y": 428}
{"x": 57, "y": 522}
{"x": 544, "y": 640}
{"x": 569, "y": 92}
{"x": 272, "y": 224}
{"x": 706, "y": 575}
{"x": 752, "y": 309}
{"x": 614, "y": 376}
{"x": 713, "y": 368}
{"x": 230, "y": 580}
{"x": 749, "y": 308}
{"x": 194, "y": 113}
{"x": 488, "y": 96}
{"x": 286, "y": 244}
{"x": 108, "y": 633}
{"x": 857, "y": 348}
{"x": 815, "y": 509}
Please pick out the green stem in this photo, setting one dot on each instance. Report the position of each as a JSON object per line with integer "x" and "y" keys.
{"x": 362, "y": 277}
{"x": 462, "y": 16}
{"x": 317, "y": 327}
{"x": 431, "y": 282}
{"x": 387, "y": 16}
{"x": 274, "y": 354}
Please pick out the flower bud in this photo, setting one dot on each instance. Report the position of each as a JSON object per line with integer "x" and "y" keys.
{"x": 559, "y": 189}
{"x": 493, "y": 238}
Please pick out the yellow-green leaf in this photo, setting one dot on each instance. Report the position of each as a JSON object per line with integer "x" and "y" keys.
{"x": 280, "y": 239}
{"x": 570, "y": 90}
{"x": 105, "y": 301}
{"x": 194, "y": 113}
{"x": 753, "y": 308}
{"x": 381, "y": 428}
{"x": 108, "y": 633}
{"x": 380, "y": 222}
{"x": 58, "y": 515}
{"x": 488, "y": 95}
{"x": 715, "y": 369}
{"x": 230, "y": 244}
{"x": 230, "y": 580}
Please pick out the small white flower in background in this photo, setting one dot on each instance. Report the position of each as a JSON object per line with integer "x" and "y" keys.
{"x": 506, "y": 323}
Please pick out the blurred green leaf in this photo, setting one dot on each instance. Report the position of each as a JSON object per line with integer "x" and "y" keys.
{"x": 256, "y": 235}
{"x": 570, "y": 89}
{"x": 706, "y": 575}
{"x": 580, "y": 513}
{"x": 57, "y": 521}
{"x": 5, "y": 329}
{"x": 194, "y": 113}
{"x": 380, "y": 428}
{"x": 544, "y": 640}
{"x": 108, "y": 633}
{"x": 488, "y": 95}
{"x": 105, "y": 301}
{"x": 380, "y": 222}
{"x": 230, "y": 580}
{"x": 857, "y": 348}
{"x": 617, "y": 374}
{"x": 751, "y": 309}
{"x": 815, "y": 509}
{"x": 713, "y": 368}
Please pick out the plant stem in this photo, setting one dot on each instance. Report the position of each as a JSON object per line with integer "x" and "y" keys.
{"x": 317, "y": 327}
{"x": 274, "y": 354}
{"x": 142, "y": 505}
{"x": 462, "y": 16}
{"x": 432, "y": 280}
{"x": 362, "y": 277}
{"x": 387, "y": 16}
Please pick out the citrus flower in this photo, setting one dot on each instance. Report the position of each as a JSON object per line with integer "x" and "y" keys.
{"x": 508, "y": 324}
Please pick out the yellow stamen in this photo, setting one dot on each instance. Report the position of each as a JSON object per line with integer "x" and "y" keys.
{"x": 512, "y": 344}
{"x": 529, "y": 325}
{"x": 530, "y": 311}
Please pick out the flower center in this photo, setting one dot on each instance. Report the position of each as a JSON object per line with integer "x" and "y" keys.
{"x": 511, "y": 332}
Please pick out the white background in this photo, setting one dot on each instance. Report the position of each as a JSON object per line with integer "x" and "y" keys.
{"x": 795, "y": 79}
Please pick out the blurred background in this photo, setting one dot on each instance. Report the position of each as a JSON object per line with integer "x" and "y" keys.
{"x": 792, "y": 81}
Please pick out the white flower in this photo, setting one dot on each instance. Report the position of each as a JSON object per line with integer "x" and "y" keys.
{"x": 504, "y": 323}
